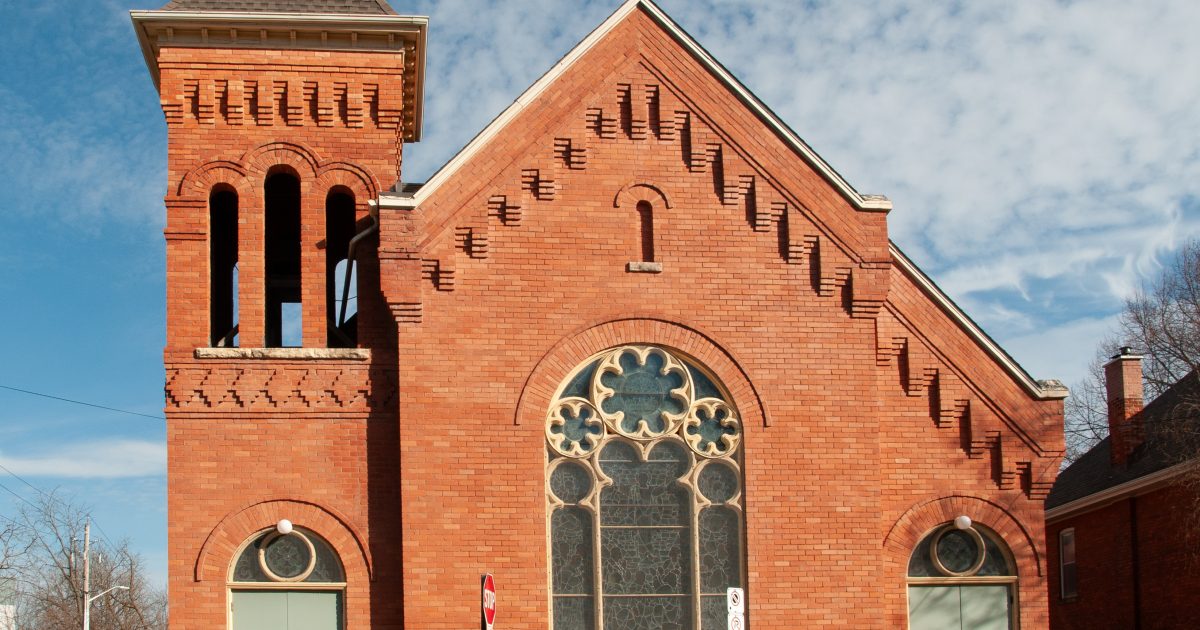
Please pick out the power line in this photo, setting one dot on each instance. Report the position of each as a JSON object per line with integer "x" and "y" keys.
{"x": 52, "y": 498}
{"x": 80, "y": 402}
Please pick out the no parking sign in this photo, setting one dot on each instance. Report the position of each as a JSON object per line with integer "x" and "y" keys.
{"x": 736, "y": 599}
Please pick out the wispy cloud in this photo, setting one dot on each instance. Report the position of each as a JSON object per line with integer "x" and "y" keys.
{"x": 1041, "y": 155}
{"x": 101, "y": 459}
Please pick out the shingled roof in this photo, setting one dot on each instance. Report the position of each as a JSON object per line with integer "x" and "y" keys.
{"x": 347, "y": 7}
{"x": 1094, "y": 472}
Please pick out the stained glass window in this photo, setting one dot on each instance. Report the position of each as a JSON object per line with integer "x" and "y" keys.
{"x": 645, "y": 494}
{"x": 300, "y": 556}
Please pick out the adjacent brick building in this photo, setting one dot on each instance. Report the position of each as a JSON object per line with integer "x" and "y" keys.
{"x": 1120, "y": 524}
{"x": 636, "y": 345}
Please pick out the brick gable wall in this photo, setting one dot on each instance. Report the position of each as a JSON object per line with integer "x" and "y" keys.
{"x": 878, "y": 419}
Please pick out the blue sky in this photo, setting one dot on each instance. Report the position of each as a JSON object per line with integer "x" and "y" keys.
{"x": 1042, "y": 158}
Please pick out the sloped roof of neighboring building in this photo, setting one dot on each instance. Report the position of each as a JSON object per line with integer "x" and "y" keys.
{"x": 1094, "y": 472}
{"x": 348, "y": 7}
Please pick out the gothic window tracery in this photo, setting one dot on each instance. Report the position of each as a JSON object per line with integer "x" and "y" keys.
{"x": 644, "y": 494}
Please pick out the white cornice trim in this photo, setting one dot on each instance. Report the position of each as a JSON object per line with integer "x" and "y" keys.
{"x": 1100, "y": 499}
{"x": 1043, "y": 390}
{"x": 412, "y": 28}
{"x": 873, "y": 203}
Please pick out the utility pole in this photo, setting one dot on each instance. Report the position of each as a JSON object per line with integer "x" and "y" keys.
{"x": 87, "y": 575}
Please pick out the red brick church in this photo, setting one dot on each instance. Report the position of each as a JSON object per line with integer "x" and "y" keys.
{"x": 636, "y": 345}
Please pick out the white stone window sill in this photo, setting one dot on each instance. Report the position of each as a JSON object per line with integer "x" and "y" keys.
{"x": 286, "y": 354}
{"x": 644, "y": 267}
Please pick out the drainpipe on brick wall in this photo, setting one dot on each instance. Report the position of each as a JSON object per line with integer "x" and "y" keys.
{"x": 1137, "y": 564}
{"x": 1123, "y": 387}
{"x": 373, "y": 213}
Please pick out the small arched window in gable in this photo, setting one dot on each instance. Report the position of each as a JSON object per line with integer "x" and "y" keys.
{"x": 222, "y": 266}
{"x": 961, "y": 577}
{"x": 292, "y": 580}
{"x": 645, "y": 214}
{"x": 284, "y": 324}
{"x": 341, "y": 272}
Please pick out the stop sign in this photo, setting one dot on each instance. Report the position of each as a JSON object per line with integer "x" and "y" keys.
{"x": 489, "y": 601}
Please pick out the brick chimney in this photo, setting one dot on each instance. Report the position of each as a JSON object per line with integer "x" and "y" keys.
{"x": 1123, "y": 384}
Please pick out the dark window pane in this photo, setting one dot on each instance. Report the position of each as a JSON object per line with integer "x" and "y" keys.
{"x": 994, "y": 562}
{"x": 642, "y": 560}
{"x": 714, "y": 612}
{"x": 705, "y": 388}
{"x": 720, "y": 551}
{"x": 574, "y": 613}
{"x": 711, "y": 428}
{"x": 571, "y": 549}
{"x": 570, "y": 482}
{"x": 718, "y": 483}
{"x": 920, "y": 564}
{"x": 644, "y": 493}
{"x": 648, "y": 613}
{"x": 247, "y": 568}
{"x": 581, "y": 385}
{"x": 329, "y": 567}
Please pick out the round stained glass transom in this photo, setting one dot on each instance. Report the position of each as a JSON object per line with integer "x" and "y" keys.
{"x": 287, "y": 556}
{"x": 301, "y": 556}
{"x": 958, "y": 551}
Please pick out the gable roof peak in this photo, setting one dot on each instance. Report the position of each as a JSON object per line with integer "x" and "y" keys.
{"x": 869, "y": 203}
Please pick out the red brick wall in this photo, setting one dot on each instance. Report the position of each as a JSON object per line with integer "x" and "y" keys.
{"x": 870, "y": 416}
{"x": 252, "y": 441}
{"x": 1168, "y": 565}
{"x": 866, "y": 424}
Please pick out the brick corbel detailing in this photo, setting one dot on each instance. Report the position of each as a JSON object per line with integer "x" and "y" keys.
{"x": 400, "y": 267}
{"x": 295, "y": 101}
{"x": 216, "y": 553}
{"x": 955, "y": 404}
{"x": 573, "y": 349}
{"x": 645, "y": 109}
{"x": 300, "y": 387}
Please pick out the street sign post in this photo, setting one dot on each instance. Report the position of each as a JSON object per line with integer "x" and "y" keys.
{"x": 488, "y": 604}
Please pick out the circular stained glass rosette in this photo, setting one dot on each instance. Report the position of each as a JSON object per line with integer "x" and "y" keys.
{"x": 958, "y": 552}
{"x": 574, "y": 427}
{"x": 642, "y": 392}
{"x": 712, "y": 428}
{"x": 287, "y": 557}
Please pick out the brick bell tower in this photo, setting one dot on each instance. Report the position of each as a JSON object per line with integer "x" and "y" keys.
{"x": 286, "y": 119}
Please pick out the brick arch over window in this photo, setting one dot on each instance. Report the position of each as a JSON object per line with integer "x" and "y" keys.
{"x": 920, "y": 519}
{"x": 227, "y": 537}
{"x": 261, "y": 159}
{"x": 635, "y": 192}
{"x": 575, "y": 348}
{"x": 351, "y": 176}
{"x": 200, "y": 181}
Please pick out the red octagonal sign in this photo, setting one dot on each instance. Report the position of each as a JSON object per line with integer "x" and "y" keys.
{"x": 489, "y": 601}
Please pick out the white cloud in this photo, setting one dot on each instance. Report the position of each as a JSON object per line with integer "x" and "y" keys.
{"x": 99, "y": 459}
{"x": 1041, "y": 155}
{"x": 1061, "y": 352}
